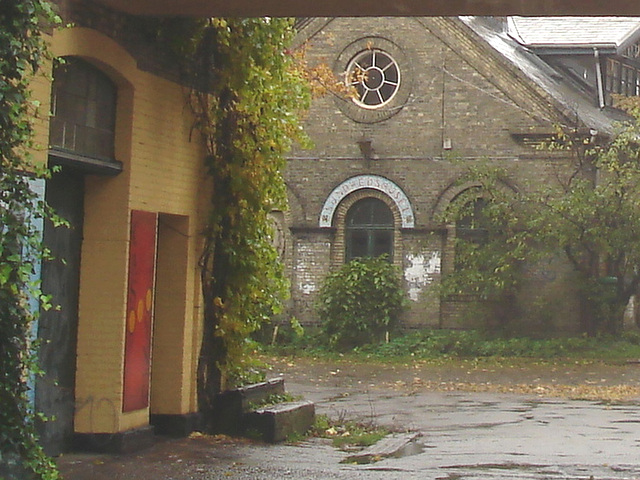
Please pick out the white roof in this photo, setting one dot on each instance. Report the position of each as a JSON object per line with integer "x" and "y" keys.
{"x": 572, "y": 31}
{"x": 561, "y": 89}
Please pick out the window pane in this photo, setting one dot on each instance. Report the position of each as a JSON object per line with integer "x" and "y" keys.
{"x": 391, "y": 74}
{"x": 357, "y": 244}
{"x": 370, "y": 212}
{"x": 473, "y": 215}
{"x": 382, "y": 243}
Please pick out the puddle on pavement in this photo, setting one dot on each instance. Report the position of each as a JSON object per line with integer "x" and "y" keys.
{"x": 525, "y": 467}
{"x": 484, "y": 425}
{"x": 411, "y": 447}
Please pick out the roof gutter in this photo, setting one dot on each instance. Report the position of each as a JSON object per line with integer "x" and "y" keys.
{"x": 576, "y": 49}
{"x": 599, "y": 79}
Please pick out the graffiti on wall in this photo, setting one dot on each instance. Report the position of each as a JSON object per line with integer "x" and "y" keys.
{"x": 137, "y": 357}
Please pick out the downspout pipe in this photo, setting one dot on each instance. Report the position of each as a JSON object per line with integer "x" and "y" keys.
{"x": 599, "y": 79}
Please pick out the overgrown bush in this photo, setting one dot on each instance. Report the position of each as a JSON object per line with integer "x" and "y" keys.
{"x": 360, "y": 302}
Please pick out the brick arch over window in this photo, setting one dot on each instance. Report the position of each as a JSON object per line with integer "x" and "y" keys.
{"x": 115, "y": 62}
{"x": 449, "y": 196}
{"x": 389, "y": 189}
{"x": 338, "y": 248}
{"x": 453, "y": 191}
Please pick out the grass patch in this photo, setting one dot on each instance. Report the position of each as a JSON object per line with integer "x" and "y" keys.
{"x": 474, "y": 344}
{"x": 273, "y": 399}
{"x": 465, "y": 344}
{"x": 348, "y": 435}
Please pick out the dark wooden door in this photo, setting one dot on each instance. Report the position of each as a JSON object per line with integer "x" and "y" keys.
{"x": 57, "y": 329}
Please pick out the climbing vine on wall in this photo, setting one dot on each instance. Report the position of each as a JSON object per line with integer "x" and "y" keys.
{"x": 246, "y": 92}
{"x": 22, "y": 49}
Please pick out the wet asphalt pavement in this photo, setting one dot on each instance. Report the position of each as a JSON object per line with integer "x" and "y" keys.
{"x": 465, "y": 435}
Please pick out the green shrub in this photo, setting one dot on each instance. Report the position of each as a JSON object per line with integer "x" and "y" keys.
{"x": 280, "y": 332}
{"x": 360, "y": 302}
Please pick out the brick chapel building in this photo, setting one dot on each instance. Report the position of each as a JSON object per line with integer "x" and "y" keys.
{"x": 430, "y": 90}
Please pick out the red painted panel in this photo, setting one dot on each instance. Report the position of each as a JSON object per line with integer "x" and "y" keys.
{"x": 137, "y": 356}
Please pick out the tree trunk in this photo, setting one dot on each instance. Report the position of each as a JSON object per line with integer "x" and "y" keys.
{"x": 212, "y": 349}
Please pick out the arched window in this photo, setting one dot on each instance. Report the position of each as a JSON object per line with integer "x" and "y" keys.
{"x": 369, "y": 229}
{"x": 471, "y": 233}
{"x": 83, "y": 109}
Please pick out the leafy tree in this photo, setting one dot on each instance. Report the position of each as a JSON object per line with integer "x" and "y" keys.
{"x": 361, "y": 302}
{"x": 22, "y": 50}
{"x": 246, "y": 93}
{"x": 591, "y": 213}
{"x": 595, "y": 220}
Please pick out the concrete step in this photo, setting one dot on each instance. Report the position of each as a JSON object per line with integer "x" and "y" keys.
{"x": 259, "y": 392}
{"x": 231, "y": 405}
{"x": 278, "y": 422}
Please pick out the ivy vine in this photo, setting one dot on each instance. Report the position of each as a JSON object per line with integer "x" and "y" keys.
{"x": 22, "y": 50}
{"x": 246, "y": 91}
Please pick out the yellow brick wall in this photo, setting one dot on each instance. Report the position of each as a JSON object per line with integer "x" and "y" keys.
{"x": 161, "y": 173}
{"x": 40, "y": 89}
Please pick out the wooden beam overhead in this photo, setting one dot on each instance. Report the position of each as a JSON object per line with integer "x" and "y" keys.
{"x": 340, "y": 8}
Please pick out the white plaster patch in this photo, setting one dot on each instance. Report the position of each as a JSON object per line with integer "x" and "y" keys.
{"x": 420, "y": 272}
{"x": 433, "y": 264}
{"x": 308, "y": 288}
{"x": 305, "y": 269}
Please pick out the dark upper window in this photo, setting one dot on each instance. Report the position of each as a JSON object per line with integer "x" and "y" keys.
{"x": 369, "y": 229}
{"x": 472, "y": 224}
{"x": 83, "y": 107}
{"x": 375, "y": 76}
{"x": 633, "y": 51}
{"x": 622, "y": 78}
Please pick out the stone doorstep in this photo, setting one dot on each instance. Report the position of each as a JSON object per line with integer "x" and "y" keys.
{"x": 231, "y": 405}
{"x": 396, "y": 445}
{"x": 259, "y": 392}
{"x": 277, "y": 422}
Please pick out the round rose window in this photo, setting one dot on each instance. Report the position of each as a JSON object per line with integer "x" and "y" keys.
{"x": 375, "y": 76}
